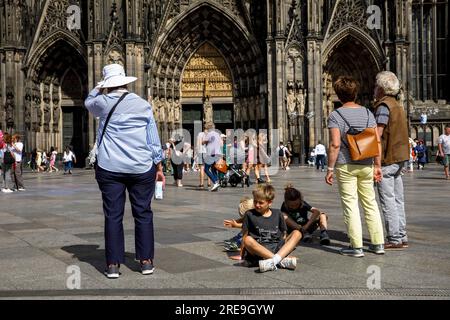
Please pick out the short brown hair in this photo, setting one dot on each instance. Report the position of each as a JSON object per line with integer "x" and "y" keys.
{"x": 346, "y": 89}
{"x": 264, "y": 192}
{"x": 7, "y": 138}
{"x": 293, "y": 194}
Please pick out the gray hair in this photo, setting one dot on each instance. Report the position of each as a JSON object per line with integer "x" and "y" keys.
{"x": 389, "y": 82}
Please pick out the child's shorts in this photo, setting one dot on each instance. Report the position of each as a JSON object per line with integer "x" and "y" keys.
{"x": 253, "y": 261}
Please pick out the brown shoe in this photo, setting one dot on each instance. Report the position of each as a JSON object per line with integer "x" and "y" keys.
{"x": 405, "y": 245}
{"x": 393, "y": 246}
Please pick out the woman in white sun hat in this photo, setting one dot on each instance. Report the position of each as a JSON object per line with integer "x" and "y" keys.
{"x": 129, "y": 158}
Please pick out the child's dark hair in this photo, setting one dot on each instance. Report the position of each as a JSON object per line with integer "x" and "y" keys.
{"x": 292, "y": 194}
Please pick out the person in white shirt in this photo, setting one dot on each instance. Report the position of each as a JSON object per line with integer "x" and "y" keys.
{"x": 444, "y": 150}
{"x": 213, "y": 144}
{"x": 321, "y": 153}
{"x": 17, "y": 149}
{"x": 69, "y": 159}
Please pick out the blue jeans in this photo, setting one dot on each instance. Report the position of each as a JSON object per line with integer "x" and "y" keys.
{"x": 392, "y": 202}
{"x": 68, "y": 166}
{"x": 320, "y": 161}
{"x": 141, "y": 188}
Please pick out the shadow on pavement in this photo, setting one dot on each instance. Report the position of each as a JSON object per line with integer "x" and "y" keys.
{"x": 94, "y": 256}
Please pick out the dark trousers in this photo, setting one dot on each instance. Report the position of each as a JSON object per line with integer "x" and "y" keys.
{"x": 177, "y": 171}
{"x": 141, "y": 188}
{"x": 320, "y": 161}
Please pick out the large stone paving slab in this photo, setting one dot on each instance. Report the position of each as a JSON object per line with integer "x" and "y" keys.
{"x": 58, "y": 223}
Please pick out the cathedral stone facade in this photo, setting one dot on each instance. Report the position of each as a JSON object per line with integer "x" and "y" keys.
{"x": 262, "y": 64}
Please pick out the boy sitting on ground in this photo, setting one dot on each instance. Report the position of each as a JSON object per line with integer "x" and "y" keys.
{"x": 264, "y": 234}
{"x": 295, "y": 211}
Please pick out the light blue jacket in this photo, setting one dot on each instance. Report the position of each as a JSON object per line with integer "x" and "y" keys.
{"x": 131, "y": 142}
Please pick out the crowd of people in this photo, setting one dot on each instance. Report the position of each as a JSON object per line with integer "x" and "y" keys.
{"x": 133, "y": 159}
{"x": 41, "y": 161}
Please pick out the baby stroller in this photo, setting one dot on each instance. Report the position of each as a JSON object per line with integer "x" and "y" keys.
{"x": 234, "y": 176}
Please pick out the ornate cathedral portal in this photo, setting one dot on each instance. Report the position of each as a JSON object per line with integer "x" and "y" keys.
{"x": 207, "y": 90}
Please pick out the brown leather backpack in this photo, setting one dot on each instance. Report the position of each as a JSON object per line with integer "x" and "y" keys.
{"x": 361, "y": 144}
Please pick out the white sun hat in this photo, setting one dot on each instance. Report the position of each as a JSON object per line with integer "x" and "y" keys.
{"x": 114, "y": 76}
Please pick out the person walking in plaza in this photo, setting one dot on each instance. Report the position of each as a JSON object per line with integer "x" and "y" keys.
{"x": 129, "y": 157}
{"x": 200, "y": 152}
{"x": 33, "y": 163}
{"x": 8, "y": 161}
{"x": 355, "y": 178}
{"x": 263, "y": 157}
{"x": 421, "y": 153}
{"x": 176, "y": 159}
{"x": 444, "y": 150}
{"x": 53, "y": 155}
{"x": 213, "y": 154}
{"x": 68, "y": 159}
{"x": 392, "y": 125}
{"x": 321, "y": 152}
{"x": 17, "y": 150}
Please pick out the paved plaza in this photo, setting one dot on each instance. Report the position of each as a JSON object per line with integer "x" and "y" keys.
{"x": 58, "y": 223}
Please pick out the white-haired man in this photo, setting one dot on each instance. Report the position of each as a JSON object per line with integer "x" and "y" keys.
{"x": 393, "y": 129}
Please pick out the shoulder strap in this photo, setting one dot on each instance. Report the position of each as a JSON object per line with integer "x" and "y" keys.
{"x": 368, "y": 117}
{"x": 348, "y": 124}
{"x": 343, "y": 118}
{"x": 109, "y": 118}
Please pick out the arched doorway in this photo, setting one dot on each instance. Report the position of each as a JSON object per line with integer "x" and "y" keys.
{"x": 75, "y": 117}
{"x": 208, "y": 24}
{"x": 207, "y": 90}
{"x": 351, "y": 57}
{"x": 57, "y": 79}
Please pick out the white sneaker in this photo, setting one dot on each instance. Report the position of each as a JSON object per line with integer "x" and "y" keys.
{"x": 7, "y": 191}
{"x": 215, "y": 187}
{"x": 289, "y": 263}
{"x": 267, "y": 265}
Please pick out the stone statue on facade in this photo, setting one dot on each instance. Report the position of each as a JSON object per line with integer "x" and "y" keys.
{"x": 207, "y": 110}
{"x": 37, "y": 112}
{"x": 56, "y": 108}
{"x": 9, "y": 108}
{"x": 155, "y": 108}
{"x": 162, "y": 109}
{"x": 47, "y": 110}
{"x": 169, "y": 110}
{"x": 244, "y": 109}
{"x": 237, "y": 110}
{"x": 291, "y": 100}
{"x": 27, "y": 108}
{"x": 177, "y": 111}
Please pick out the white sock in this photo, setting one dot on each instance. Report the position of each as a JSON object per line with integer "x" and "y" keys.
{"x": 276, "y": 259}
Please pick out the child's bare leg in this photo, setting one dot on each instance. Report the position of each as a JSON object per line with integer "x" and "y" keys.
{"x": 291, "y": 242}
{"x": 323, "y": 221}
{"x": 252, "y": 246}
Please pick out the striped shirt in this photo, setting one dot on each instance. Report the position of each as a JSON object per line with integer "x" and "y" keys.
{"x": 131, "y": 142}
{"x": 357, "y": 117}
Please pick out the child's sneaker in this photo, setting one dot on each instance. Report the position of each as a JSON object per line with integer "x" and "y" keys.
{"x": 324, "y": 238}
{"x": 353, "y": 252}
{"x": 232, "y": 247}
{"x": 307, "y": 237}
{"x": 289, "y": 263}
{"x": 267, "y": 265}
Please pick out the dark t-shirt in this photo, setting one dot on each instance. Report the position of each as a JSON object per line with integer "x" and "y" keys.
{"x": 299, "y": 215}
{"x": 262, "y": 229}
